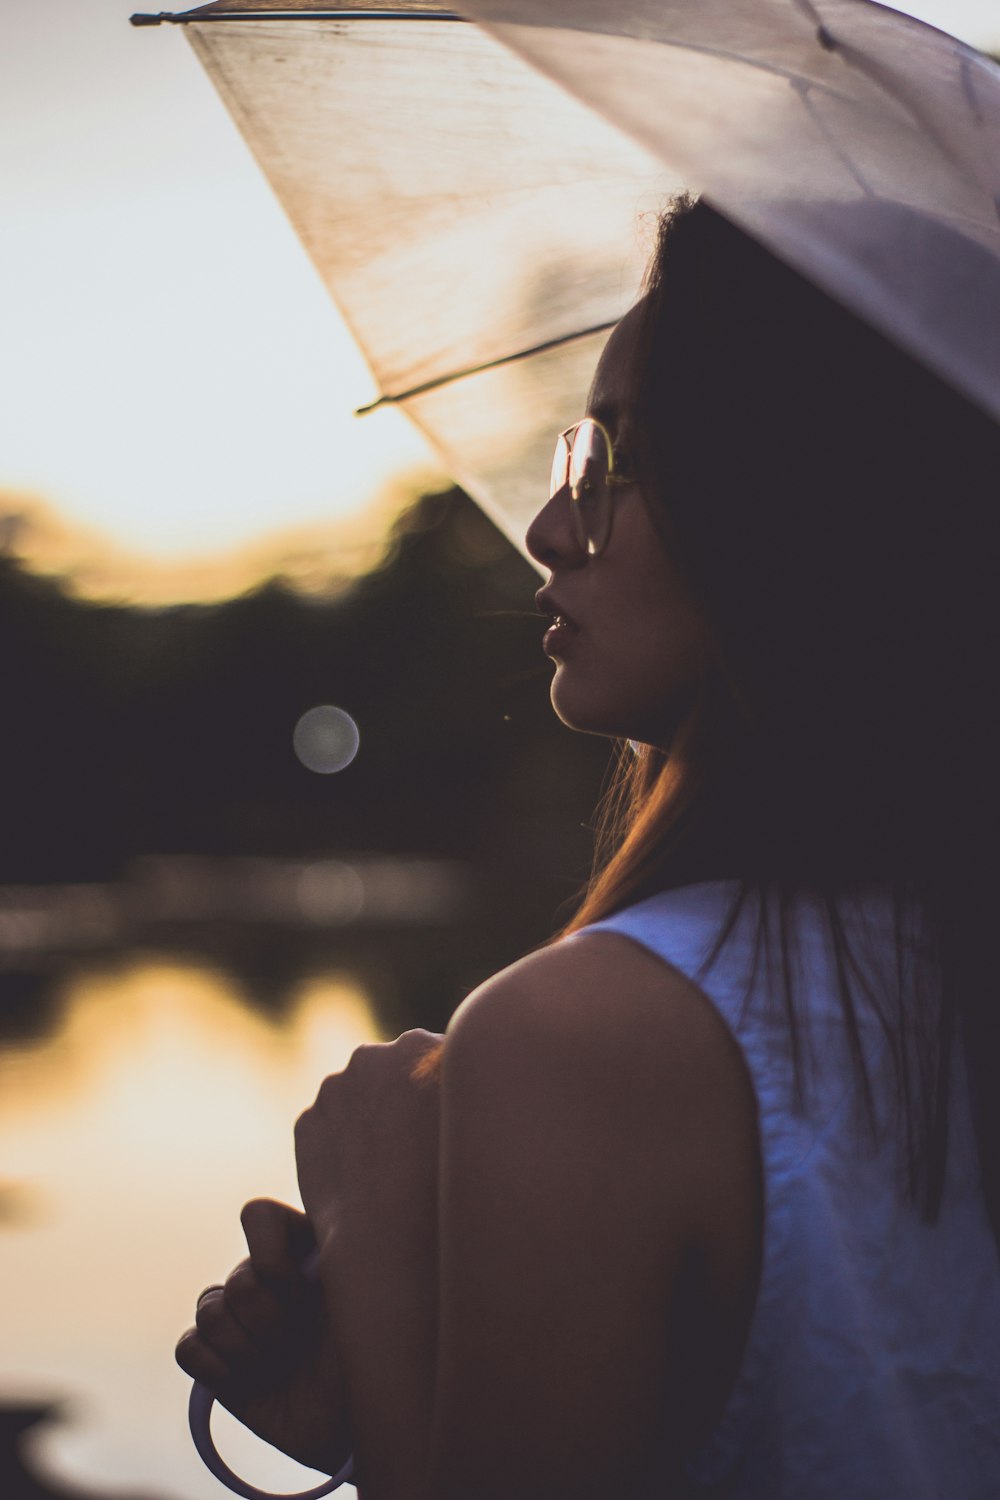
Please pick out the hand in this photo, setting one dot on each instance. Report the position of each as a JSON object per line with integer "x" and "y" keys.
{"x": 366, "y": 1151}
{"x": 262, "y": 1343}
{"x": 367, "y": 1156}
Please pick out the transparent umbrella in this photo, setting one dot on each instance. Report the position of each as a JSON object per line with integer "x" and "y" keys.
{"x": 478, "y": 192}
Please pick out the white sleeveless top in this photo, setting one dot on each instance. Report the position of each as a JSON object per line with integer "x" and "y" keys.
{"x": 872, "y": 1367}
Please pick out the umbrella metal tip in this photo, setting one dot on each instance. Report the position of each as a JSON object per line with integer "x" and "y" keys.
{"x": 140, "y": 19}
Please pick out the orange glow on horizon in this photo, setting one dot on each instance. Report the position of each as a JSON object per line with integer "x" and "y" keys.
{"x": 319, "y": 558}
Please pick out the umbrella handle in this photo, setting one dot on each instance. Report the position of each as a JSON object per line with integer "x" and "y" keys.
{"x": 200, "y": 1422}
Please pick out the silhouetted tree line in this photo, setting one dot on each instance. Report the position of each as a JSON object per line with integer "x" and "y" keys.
{"x": 129, "y": 732}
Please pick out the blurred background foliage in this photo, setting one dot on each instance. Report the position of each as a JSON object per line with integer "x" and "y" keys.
{"x": 148, "y": 753}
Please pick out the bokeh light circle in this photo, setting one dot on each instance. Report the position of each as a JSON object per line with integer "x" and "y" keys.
{"x": 326, "y": 739}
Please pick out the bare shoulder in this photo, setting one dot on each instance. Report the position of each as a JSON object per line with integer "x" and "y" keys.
{"x": 600, "y": 1022}
{"x": 600, "y": 994}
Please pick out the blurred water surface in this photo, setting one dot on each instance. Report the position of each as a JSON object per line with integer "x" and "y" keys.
{"x": 130, "y": 1136}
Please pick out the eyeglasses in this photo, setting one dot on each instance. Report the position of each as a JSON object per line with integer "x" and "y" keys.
{"x": 585, "y": 460}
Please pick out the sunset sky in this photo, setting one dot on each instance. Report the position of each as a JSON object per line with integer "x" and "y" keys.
{"x": 172, "y": 371}
{"x": 173, "y": 376}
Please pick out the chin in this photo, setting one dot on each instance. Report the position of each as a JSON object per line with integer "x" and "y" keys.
{"x": 588, "y": 713}
{"x": 613, "y": 716}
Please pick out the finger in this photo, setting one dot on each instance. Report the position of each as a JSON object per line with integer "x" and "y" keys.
{"x": 279, "y": 1238}
{"x": 255, "y": 1306}
{"x": 201, "y": 1362}
{"x": 419, "y": 1039}
{"x": 221, "y": 1330}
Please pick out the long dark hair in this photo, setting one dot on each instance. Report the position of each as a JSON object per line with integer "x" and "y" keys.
{"x": 836, "y": 509}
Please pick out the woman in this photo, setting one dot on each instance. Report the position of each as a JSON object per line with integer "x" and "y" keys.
{"x": 705, "y": 1198}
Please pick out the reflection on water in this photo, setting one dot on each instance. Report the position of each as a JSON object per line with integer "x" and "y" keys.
{"x": 128, "y": 1141}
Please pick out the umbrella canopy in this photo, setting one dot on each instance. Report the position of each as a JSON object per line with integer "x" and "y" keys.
{"x": 478, "y": 192}
{"x": 460, "y": 210}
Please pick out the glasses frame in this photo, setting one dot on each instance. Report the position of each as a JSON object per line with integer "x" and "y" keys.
{"x": 565, "y": 443}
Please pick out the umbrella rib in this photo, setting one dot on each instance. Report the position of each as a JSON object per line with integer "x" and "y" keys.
{"x": 827, "y": 41}
{"x": 850, "y": 166}
{"x": 490, "y": 364}
{"x": 182, "y": 18}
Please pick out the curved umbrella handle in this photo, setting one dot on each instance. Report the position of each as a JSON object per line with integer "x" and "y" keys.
{"x": 199, "y": 1420}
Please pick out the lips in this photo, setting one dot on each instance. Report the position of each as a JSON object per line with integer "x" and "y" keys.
{"x": 560, "y": 634}
{"x": 549, "y": 605}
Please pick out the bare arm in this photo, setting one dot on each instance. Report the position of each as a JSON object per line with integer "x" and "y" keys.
{"x": 524, "y": 1345}
{"x": 503, "y": 1246}
{"x": 569, "y": 1202}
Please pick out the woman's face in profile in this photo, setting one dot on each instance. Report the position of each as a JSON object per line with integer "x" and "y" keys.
{"x": 629, "y": 656}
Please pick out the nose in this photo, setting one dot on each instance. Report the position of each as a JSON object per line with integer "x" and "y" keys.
{"x": 551, "y": 538}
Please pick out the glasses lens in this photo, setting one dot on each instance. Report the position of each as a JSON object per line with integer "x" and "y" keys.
{"x": 589, "y": 468}
{"x": 560, "y": 466}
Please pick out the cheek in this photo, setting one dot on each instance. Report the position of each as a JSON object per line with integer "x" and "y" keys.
{"x": 655, "y": 621}
{"x": 639, "y": 660}
{"x": 635, "y": 674}
{"x": 660, "y": 663}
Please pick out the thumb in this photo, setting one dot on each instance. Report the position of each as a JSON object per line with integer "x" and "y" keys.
{"x": 279, "y": 1239}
